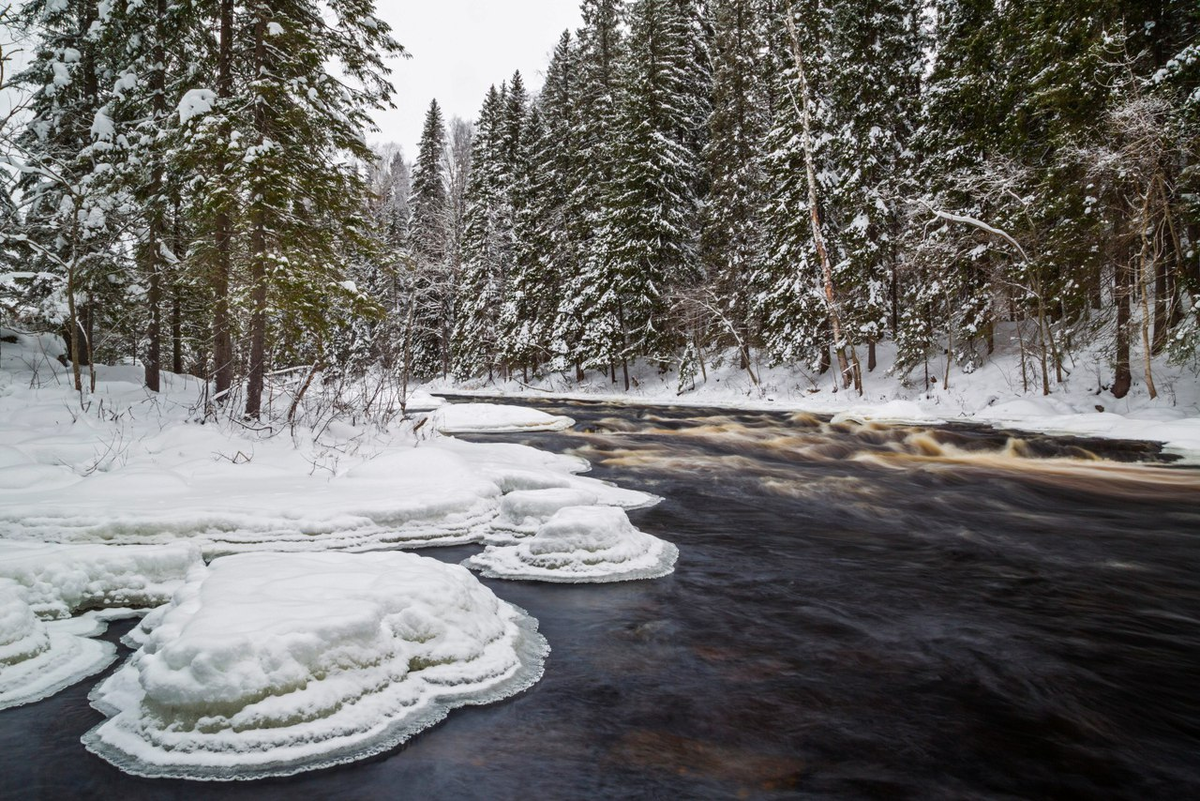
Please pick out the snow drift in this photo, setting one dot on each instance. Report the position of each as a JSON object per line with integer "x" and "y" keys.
{"x": 272, "y": 664}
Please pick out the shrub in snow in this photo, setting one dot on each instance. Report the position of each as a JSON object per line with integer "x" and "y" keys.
{"x": 39, "y": 659}
{"x": 272, "y": 664}
{"x": 580, "y": 544}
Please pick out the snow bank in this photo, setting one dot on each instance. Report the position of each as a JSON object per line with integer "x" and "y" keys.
{"x": 580, "y": 544}
{"x": 443, "y": 492}
{"x": 998, "y": 391}
{"x": 64, "y": 579}
{"x": 272, "y": 664}
{"x": 39, "y": 659}
{"x": 422, "y": 401}
{"x": 466, "y": 418}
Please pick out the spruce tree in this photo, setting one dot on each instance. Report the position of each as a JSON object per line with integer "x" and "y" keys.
{"x": 730, "y": 240}
{"x": 480, "y": 291}
{"x": 428, "y": 240}
{"x": 650, "y": 233}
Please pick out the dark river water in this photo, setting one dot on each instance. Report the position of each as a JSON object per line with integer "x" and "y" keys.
{"x": 857, "y": 612}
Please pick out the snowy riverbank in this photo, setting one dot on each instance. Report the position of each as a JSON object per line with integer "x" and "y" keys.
{"x": 277, "y": 656}
{"x": 992, "y": 394}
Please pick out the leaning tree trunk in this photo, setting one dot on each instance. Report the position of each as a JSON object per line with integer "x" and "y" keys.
{"x": 849, "y": 374}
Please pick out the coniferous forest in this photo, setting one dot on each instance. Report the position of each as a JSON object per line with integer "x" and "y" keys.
{"x": 189, "y": 187}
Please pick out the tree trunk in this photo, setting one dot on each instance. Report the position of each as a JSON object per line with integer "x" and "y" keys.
{"x": 258, "y": 244}
{"x": 154, "y": 233}
{"x": 221, "y": 327}
{"x": 1123, "y": 379}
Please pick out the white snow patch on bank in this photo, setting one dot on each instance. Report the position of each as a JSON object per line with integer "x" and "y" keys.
{"x": 271, "y": 664}
{"x": 580, "y": 544}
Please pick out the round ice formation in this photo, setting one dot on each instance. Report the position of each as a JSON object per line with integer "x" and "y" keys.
{"x": 524, "y": 511}
{"x": 271, "y": 664}
{"x": 580, "y": 544}
{"x": 36, "y": 659}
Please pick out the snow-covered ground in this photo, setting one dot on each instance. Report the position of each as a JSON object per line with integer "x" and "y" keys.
{"x": 270, "y": 664}
{"x": 132, "y": 468}
{"x": 994, "y": 393}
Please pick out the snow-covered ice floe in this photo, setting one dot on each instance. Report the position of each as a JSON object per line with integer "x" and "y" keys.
{"x": 580, "y": 544}
{"x": 441, "y": 493}
{"x": 38, "y": 659}
{"x": 272, "y": 664}
{"x": 523, "y": 512}
{"x": 61, "y": 580}
{"x": 466, "y": 418}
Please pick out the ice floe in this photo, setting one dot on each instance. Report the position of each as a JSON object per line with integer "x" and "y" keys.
{"x": 38, "y": 659}
{"x": 464, "y": 418}
{"x": 522, "y": 512}
{"x": 271, "y": 664}
{"x": 580, "y": 544}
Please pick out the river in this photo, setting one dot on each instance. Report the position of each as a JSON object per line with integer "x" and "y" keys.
{"x": 858, "y": 611}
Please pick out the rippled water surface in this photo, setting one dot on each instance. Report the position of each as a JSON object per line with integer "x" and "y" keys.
{"x": 858, "y": 611}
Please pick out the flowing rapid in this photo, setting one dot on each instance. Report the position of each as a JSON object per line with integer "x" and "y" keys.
{"x": 858, "y": 610}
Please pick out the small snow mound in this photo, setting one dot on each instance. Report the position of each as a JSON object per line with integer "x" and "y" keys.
{"x": 36, "y": 659}
{"x": 524, "y": 511}
{"x": 580, "y": 544}
{"x": 273, "y": 664}
{"x": 467, "y": 418}
{"x": 64, "y": 579}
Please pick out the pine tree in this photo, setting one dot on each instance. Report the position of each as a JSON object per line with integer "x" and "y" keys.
{"x": 586, "y": 302}
{"x": 296, "y": 121}
{"x": 873, "y": 89}
{"x": 68, "y": 207}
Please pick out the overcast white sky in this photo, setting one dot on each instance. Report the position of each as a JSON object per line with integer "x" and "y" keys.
{"x": 461, "y": 47}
